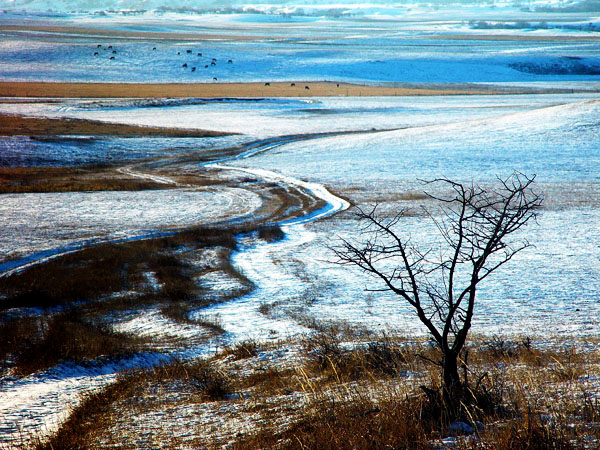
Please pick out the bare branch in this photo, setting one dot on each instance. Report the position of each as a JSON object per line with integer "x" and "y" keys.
{"x": 476, "y": 225}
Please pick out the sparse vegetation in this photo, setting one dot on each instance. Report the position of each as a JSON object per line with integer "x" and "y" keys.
{"x": 440, "y": 282}
{"x": 246, "y": 349}
{"x": 319, "y": 399}
{"x": 78, "y": 292}
{"x": 36, "y": 343}
{"x": 271, "y": 233}
{"x": 207, "y": 382}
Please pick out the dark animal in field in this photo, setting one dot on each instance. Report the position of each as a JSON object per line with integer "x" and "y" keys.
{"x": 206, "y": 66}
{"x": 184, "y": 65}
{"x": 179, "y": 53}
{"x": 99, "y": 45}
{"x": 109, "y": 47}
{"x": 267, "y": 84}
{"x": 214, "y": 78}
{"x": 153, "y": 48}
{"x": 229, "y": 61}
{"x": 114, "y": 52}
{"x": 199, "y": 54}
{"x": 193, "y": 69}
{"x": 307, "y": 88}
{"x": 293, "y": 84}
{"x": 213, "y": 63}
{"x": 188, "y": 51}
{"x": 338, "y": 85}
{"x": 96, "y": 53}
{"x": 112, "y": 57}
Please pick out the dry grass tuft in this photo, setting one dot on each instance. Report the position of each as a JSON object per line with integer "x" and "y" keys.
{"x": 37, "y": 343}
{"x": 271, "y": 233}
{"x": 530, "y": 433}
{"x": 372, "y": 360}
{"x": 242, "y": 350}
{"x": 359, "y": 423}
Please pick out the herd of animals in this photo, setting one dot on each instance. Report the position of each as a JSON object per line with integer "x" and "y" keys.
{"x": 101, "y": 50}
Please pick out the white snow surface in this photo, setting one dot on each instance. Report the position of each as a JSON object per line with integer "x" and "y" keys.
{"x": 35, "y": 222}
{"x": 39, "y": 403}
{"x": 403, "y": 44}
{"x": 548, "y": 291}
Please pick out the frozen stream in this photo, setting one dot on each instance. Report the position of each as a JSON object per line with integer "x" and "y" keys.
{"x": 37, "y": 404}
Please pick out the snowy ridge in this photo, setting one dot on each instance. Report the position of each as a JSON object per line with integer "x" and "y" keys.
{"x": 308, "y": 8}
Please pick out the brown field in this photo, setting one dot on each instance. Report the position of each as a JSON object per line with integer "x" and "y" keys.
{"x": 331, "y": 397}
{"x": 219, "y": 90}
{"x": 68, "y": 179}
{"x": 14, "y": 125}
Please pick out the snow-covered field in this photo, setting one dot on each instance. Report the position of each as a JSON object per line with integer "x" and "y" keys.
{"x": 548, "y": 291}
{"x": 355, "y": 42}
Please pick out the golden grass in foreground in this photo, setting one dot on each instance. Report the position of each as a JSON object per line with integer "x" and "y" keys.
{"x": 220, "y": 90}
{"x": 314, "y": 400}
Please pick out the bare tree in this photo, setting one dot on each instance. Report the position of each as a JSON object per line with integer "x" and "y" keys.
{"x": 476, "y": 226}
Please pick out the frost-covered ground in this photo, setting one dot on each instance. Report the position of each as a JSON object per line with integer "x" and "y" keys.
{"x": 548, "y": 291}
{"x": 36, "y": 222}
{"x": 398, "y": 44}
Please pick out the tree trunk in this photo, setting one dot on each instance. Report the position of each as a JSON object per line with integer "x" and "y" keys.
{"x": 453, "y": 387}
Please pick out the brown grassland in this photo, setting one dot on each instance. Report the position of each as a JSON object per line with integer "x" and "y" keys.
{"x": 15, "y": 125}
{"x": 216, "y": 90}
{"x": 331, "y": 396}
{"x": 69, "y": 179}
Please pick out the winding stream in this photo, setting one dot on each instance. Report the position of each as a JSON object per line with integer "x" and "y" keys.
{"x": 36, "y": 405}
{"x": 333, "y": 204}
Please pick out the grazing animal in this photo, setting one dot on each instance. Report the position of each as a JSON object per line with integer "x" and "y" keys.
{"x": 153, "y": 48}
{"x": 184, "y": 65}
{"x": 112, "y": 57}
{"x": 188, "y": 51}
{"x": 293, "y": 84}
{"x": 307, "y": 88}
{"x": 213, "y": 63}
{"x": 267, "y": 84}
{"x": 109, "y": 47}
{"x": 229, "y": 61}
{"x": 206, "y": 66}
{"x": 214, "y": 78}
{"x": 96, "y": 53}
{"x": 114, "y": 52}
{"x": 193, "y": 69}
{"x": 214, "y": 59}
{"x": 338, "y": 85}
{"x": 99, "y": 45}
{"x": 199, "y": 54}
{"x": 179, "y": 53}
